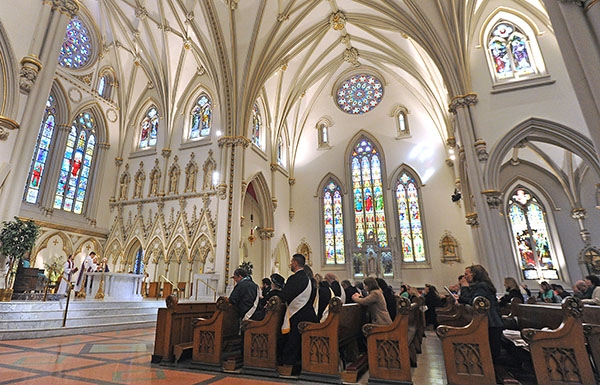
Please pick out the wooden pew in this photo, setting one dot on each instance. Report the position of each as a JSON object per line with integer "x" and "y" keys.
{"x": 322, "y": 342}
{"x": 454, "y": 314}
{"x": 389, "y": 346}
{"x": 174, "y": 327}
{"x": 217, "y": 339}
{"x": 559, "y": 356}
{"x": 260, "y": 340}
{"x": 467, "y": 354}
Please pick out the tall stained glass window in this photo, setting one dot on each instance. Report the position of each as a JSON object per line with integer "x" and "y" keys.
{"x": 149, "y": 128}
{"x": 334, "y": 225}
{"x": 367, "y": 191}
{"x": 530, "y": 234}
{"x": 76, "y": 164}
{"x": 359, "y": 94}
{"x": 510, "y": 52}
{"x": 280, "y": 152}
{"x": 256, "y": 126}
{"x": 201, "y": 117}
{"x": 76, "y": 49}
{"x": 409, "y": 219}
{"x": 40, "y": 154}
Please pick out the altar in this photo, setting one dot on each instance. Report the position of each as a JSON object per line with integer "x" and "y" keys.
{"x": 117, "y": 286}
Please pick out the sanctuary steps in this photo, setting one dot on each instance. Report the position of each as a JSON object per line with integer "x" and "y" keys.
{"x": 37, "y": 319}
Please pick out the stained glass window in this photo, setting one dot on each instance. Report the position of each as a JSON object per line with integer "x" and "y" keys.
{"x": 510, "y": 52}
{"x": 359, "y": 94}
{"x": 101, "y": 86}
{"x": 367, "y": 191}
{"x": 149, "y": 128}
{"x": 531, "y": 236}
{"x": 256, "y": 126}
{"x": 40, "y": 154}
{"x": 105, "y": 85}
{"x": 280, "y": 152}
{"x": 76, "y": 165}
{"x": 76, "y": 49}
{"x": 409, "y": 219}
{"x": 201, "y": 117}
{"x": 334, "y": 224}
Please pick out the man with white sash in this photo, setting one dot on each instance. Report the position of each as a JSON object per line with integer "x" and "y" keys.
{"x": 245, "y": 296}
{"x": 299, "y": 295}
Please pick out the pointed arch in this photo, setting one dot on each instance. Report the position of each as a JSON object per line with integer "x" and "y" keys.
{"x": 263, "y": 198}
{"x": 178, "y": 249}
{"x": 281, "y": 254}
{"x": 366, "y": 171}
{"x": 155, "y": 251}
{"x": 332, "y": 210}
{"x": 540, "y": 130}
{"x": 113, "y": 251}
{"x": 9, "y": 81}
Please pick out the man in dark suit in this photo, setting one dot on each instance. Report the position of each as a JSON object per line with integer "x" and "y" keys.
{"x": 299, "y": 294}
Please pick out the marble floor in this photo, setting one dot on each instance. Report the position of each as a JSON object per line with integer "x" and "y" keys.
{"x": 123, "y": 357}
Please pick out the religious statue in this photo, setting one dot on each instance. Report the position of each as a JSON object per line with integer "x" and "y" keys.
{"x": 174, "y": 173}
{"x": 191, "y": 172}
{"x": 124, "y": 185}
{"x": 140, "y": 177}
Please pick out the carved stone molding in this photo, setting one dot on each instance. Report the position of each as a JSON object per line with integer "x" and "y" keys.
{"x": 234, "y": 141}
{"x": 233, "y": 4}
{"x": 6, "y": 124}
{"x": 166, "y": 152}
{"x": 118, "y": 161}
{"x": 579, "y": 213}
{"x": 222, "y": 191}
{"x": 266, "y": 233}
{"x": 30, "y": 67}
{"x": 462, "y": 101}
{"x": 67, "y": 7}
{"x": 472, "y": 219}
{"x": 351, "y": 56}
{"x": 493, "y": 198}
{"x": 481, "y": 149}
{"x": 337, "y": 21}
{"x": 291, "y": 214}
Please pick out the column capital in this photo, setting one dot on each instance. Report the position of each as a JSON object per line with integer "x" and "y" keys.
{"x": 7, "y": 124}
{"x": 67, "y": 7}
{"x": 493, "y": 198}
{"x": 461, "y": 101}
{"x": 234, "y": 141}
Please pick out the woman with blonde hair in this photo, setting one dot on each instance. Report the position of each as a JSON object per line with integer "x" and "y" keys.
{"x": 375, "y": 302}
{"x": 512, "y": 291}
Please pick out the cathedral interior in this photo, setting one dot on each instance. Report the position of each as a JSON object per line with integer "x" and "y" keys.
{"x": 405, "y": 139}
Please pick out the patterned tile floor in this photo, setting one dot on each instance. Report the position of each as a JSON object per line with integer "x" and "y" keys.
{"x": 124, "y": 358}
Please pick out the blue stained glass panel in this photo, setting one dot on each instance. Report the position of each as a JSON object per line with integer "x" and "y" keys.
{"x": 334, "y": 225}
{"x": 359, "y": 94}
{"x": 201, "y": 117}
{"x": 76, "y": 49}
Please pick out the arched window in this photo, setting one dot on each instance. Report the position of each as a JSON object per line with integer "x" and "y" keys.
{"x": 409, "y": 219}
{"x": 323, "y": 135}
{"x": 149, "y": 128}
{"x": 76, "y": 50}
{"x": 400, "y": 113}
{"x": 201, "y": 117}
{"x": 367, "y": 191}
{"x": 105, "y": 85}
{"x": 333, "y": 220}
{"x": 76, "y": 164}
{"x": 41, "y": 152}
{"x": 531, "y": 236}
{"x": 510, "y": 51}
{"x": 256, "y": 126}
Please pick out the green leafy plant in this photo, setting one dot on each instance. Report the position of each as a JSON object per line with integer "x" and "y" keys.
{"x": 248, "y": 266}
{"x": 17, "y": 238}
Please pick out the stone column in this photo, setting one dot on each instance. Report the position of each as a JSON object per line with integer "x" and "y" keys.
{"x": 46, "y": 41}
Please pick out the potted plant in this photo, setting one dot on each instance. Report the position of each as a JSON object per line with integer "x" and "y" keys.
{"x": 17, "y": 238}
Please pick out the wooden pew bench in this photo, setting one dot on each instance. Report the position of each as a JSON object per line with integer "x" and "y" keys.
{"x": 323, "y": 342}
{"x": 466, "y": 349}
{"x": 454, "y": 314}
{"x": 391, "y": 347}
{"x": 555, "y": 338}
{"x": 260, "y": 340}
{"x": 217, "y": 339}
{"x": 174, "y": 328}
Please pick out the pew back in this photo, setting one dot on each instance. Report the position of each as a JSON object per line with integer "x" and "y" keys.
{"x": 211, "y": 335}
{"x": 467, "y": 354}
{"x": 174, "y": 326}
{"x": 321, "y": 342}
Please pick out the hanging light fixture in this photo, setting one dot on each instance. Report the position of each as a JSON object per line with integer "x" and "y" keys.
{"x": 251, "y": 238}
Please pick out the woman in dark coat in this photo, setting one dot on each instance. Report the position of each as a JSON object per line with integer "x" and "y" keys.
{"x": 432, "y": 300}
{"x": 512, "y": 291}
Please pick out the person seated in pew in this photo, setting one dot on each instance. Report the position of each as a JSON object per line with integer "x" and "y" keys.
{"x": 560, "y": 291}
{"x": 349, "y": 290}
{"x": 245, "y": 296}
{"x": 389, "y": 296}
{"x": 546, "y": 294}
{"x": 512, "y": 291}
{"x": 480, "y": 284}
{"x": 432, "y": 301}
{"x": 404, "y": 291}
{"x": 375, "y": 302}
{"x": 593, "y": 281}
{"x": 579, "y": 289}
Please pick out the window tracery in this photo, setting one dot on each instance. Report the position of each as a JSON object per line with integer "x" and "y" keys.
{"x": 201, "y": 117}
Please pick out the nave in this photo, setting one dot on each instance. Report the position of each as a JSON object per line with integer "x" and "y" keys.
{"x": 123, "y": 357}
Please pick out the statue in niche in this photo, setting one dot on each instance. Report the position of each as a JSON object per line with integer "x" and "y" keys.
{"x": 191, "y": 173}
{"x": 174, "y": 174}
{"x": 140, "y": 177}
{"x": 155, "y": 176}
{"x": 208, "y": 168}
{"x": 124, "y": 183}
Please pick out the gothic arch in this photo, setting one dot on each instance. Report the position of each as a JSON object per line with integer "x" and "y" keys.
{"x": 9, "y": 83}
{"x": 398, "y": 171}
{"x": 114, "y": 251}
{"x": 348, "y": 154}
{"x": 263, "y": 198}
{"x": 330, "y": 176}
{"x": 155, "y": 251}
{"x": 538, "y": 130}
